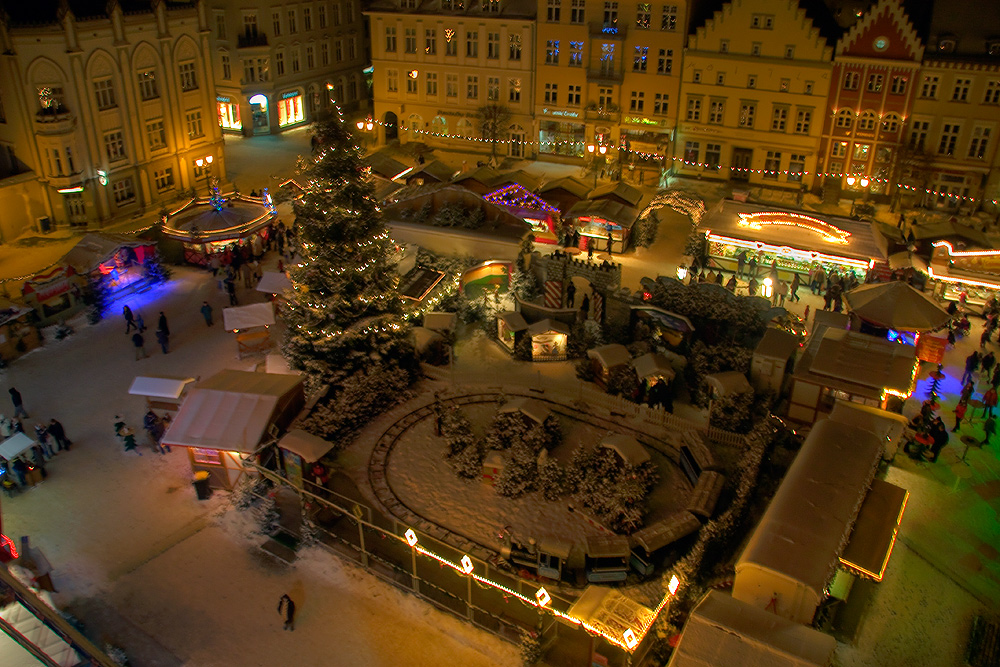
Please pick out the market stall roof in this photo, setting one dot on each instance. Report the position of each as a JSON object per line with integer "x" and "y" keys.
{"x": 435, "y": 171}
{"x": 310, "y": 447}
{"x": 385, "y": 166}
{"x": 274, "y": 282}
{"x": 547, "y": 325}
{"x": 653, "y": 365}
{"x": 10, "y": 311}
{"x": 806, "y": 525}
{"x": 248, "y": 317}
{"x": 14, "y": 445}
{"x": 629, "y": 195}
{"x": 231, "y": 410}
{"x": 485, "y": 175}
{"x": 384, "y": 188}
{"x": 609, "y": 356}
{"x": 959, "y": 235}
{"x": 514, "y": 320}
{"x": 612, "y": 612}
{"x": 529, "y": 407}
{"x": 889, "y": 425}
{"x": 612, "y": 211}
{"x": 724, "y": 631}
{"x": 627, "y": 448}
{"x": 858, "y": 364}
{"x": 573, "y": 186}
{"x": 157, "y": 386}
{"x": 518, "y": 177}
{"x": 728, "y": 382}
{"x": 669, "y": 319}
{"x": 875, "y": 530}
{"x": 436, "y": 321}
{"x": 776, "y": 344}
{"x": 896, "y": 305}
{"x": 98, "y": 247}
{"x": 34, "y": 630}
{"x": 800, "y": 230}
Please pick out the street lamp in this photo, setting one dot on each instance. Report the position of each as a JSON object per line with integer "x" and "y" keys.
{"x": 863, "y": 183}
{"x": 365, "y": 127}
{"x": 205, "y": 163}
{"x": 595, "y": 150}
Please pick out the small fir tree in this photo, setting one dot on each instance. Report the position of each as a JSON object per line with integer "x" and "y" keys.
{"x": 155, "y": 270}
{"x": 469, "y": 462}
{"x": 97, "y": 296}
{"x": 551, "y": 479}
{"x": 456, "y": 430}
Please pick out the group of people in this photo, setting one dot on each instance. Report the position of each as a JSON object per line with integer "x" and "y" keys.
{"x": 138, "y": 340}
{"x": 154, "y": 425}
{"x": 50, "y": 439}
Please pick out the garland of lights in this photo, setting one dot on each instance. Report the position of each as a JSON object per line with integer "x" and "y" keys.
{"x": 517, "y": 196}
{"x": 826, "y": 230}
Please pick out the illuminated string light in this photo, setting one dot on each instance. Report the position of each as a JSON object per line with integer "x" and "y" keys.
{"x": 826, "y": 230}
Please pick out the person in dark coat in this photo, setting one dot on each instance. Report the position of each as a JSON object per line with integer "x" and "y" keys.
{"x": 38, "y": 454}
{"x": 206, "y": 312}
{"x": 741, "y": 262}
{"x": 129, "y": 319}
{"x": 585, "y": 306}
{"x": 140, "y": 346}
{"x": 939, "y": 432}
{"x": 58, "y": 434}
{"x": 162, "y": 324}
{"x": 231, "y": 291}
{"x": 971, "y": 366}
{"x": 752, "y": 267}
{"x": 610, "y": 241}
{"x": 570, "y": 295}
{"x": 20, "y": 469}
{"x": 163, "y": 338}
{"x": 15, "y": 398}
{"x": 287, "y": 607}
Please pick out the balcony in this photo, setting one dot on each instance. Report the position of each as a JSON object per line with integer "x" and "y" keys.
{"x": 54, "y": 121}
{"x": 608, "y": 74}
{"x": 617, "y": 30}
{"x": 251, "y": 39}
{"x": 609, "y": 113}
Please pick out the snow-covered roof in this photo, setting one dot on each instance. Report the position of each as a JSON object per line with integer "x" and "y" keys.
{"x": 274, "y": 282}
{"x": 776, "y": 344}
{"x": 514, "y": 320}
{"x": 423, "y": 338}
{"x": 38, "y": 634}
{"x": 669, "y": 530}
{"x": 725, "y": 631}
{"x": 159, "y": 386}
{"x": 612, "y": 612}
{"x": 861, "y": 362}
{"x": 607, "y": 546}
{"x": 653, "y": 364}
{"x": 606, "y": 209}
{"x": 98, "y": 247}
{"x": 570, "y": 184}
{"x": 440, "y": 321}
{"x": 632, "y": 196}
{"x": 547, "y": 325}
{"x": 529, "y": 407}
{"x": 627, "y": 447}
{"x": 728, "y": 382}
{"x": 611, "y": 355}
{"x": 14, "y": 445}
{"x": 807, "y": 523}
{"x": 310, "y": 447}
{"x": 248, "y": 317}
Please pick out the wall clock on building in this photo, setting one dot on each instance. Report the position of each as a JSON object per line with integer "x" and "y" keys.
{"x": 881, "y": 43}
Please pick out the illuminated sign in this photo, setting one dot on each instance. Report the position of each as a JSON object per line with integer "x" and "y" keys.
{"x": 290, "y": 94}
{"x": 824, "y": 229}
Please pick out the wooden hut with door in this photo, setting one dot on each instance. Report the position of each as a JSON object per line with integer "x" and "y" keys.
{"x": 605, "y": 359}
{"x": 773, "y": 359}
{"x": 549, "y": 339}
{"x": 163, "y": 393}
{"x": 251, "y": 324}
{"x": 510, "y": 327}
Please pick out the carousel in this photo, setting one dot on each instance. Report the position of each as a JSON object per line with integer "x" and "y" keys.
{"x": 207, "y": 227}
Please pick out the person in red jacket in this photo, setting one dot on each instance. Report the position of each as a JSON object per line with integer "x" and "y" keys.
{"x": 990, "y": 400}
{"x": 960, "y": 410}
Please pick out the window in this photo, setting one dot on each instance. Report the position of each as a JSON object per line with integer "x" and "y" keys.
{"x": 808, "y": 90}
{"x": 310, "y": 56}
{"x": 307, "y": 21}
{"x": 898, "y": 85}
{"x": 605, "y": 97}
{"x": 928, "y": 89}
{"x": 642, "y": 15}
{"x": 576, "y": 54}
{"x": 692, "y": 151}
{"x": 390, "y": 40}
{"x": 275, "y": 23}
{"x": 845, "y": 119}
{"x": 250, "y": 25}
{"x": 661, "y": 104}
{"x": 638, "y": 102}
{"x": 755, "y": 48}
{"x": 104, "y": 93}
{"x": 193, "y": 120}
{"x": 552, "y": 11}
{"x": 451, "y": 86}
{"x": 762, "y": 22}
{"x": 493, "y": 89}
{"x": 779, "y": 116}
{"x": 189, "y": 80}
{"x": 514, "y": 90}
{"x": 610, "y": 14}
{"x": 338, "y": 50}
{"x": 227, "y": 67}
{"x": 796, "y": 165}
{"x": 716, "y": 112}
{"x": 123, "y": 191}
{"x": 321, "y": 16}
{"x": 432, "y": 84}
{"x": 867, "y": 121}
{"x": 411, "y": 85}
{"x": 875, "y": 83}
{"x": 665, "y": 64}
{"x": 803, "y": 118}
{"x": 861, "y": 151}
{"x": 295, "y": 60}
{"x": 551, "y": 93}
{"x": 694, "y": 109}
{"x": 147, "y": 84}
{"x": 220, "y": 26}
{"x": 515, "y": 47}
{"x": 573, "y": 98}
{"x": 450, "y": 42}
{"x": 409, "y": 40}
{"x": 668, "y": 19}
{"x": 292, "y": 28}
{"x": 748, "y": 111}
{"x": 720, "y": 79}
{"x": 751, "y": 81}
{"x": 472, "y": 44}
{"x": 949, "y": 137}
{"x": 883, "y": 154}
{"x": 336, "y": 14}
{"x": 324, "y": 54}
{"x": 836, "y": 168}
{"x": 980, "y": 140}
{"x": 279, "y": 65}
{"x": 114, "y": 146}
{"x": 696, "y": 76}
{"x": 639, "y": 59}
{"x": 891, "y": 123}
{"x": 349, "y": 12}
{"x": 789, "y": 51}
{"x": 576, "y": 11}
{"x": 164, "y": 178}
{"x": 852, "y": 80}
{"x": 430, "y": 42}
{"x": 918, "y": 134}
{"x": 961, "y": 91}
{"x": 839, "y": 149}
{"x": 493, "y": 45}
{"x": 772, "y": 164}
{"x": 392, "y": 80}
{"x": 156, "y": 136}
{"x": 713, "y": 156}
{"x": 552, "y": 52}
{"x": 472, "y": 87}
{"x": 992, "y": 93}
{"x": 784, "y": 85}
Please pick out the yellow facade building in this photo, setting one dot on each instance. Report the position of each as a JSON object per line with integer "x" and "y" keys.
{"x": 754, "y": 89}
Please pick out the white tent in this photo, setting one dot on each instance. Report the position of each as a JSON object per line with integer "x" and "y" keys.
{"x": 248, "y": 317}
{"x": 14, "y": 445}
{"x": 32, "y": 629}
{"x": 159, "y": 386}
{"x": 274, "y": 282}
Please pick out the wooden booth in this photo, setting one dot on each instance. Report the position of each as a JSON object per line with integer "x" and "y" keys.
{"x": 251, "y": 325}
{"x": 54, "y": 295}
{"x": 298, "y": 450}
{"x": 229, "y": 416}
{"x": 548, "y": 340}
{"x": 161, "y": 392}
{"x": 510, "y": 326}
{"x": 18, "y": 334}
{"x": 773, "y": 359}
{"x": 598, "y": 220}
{"x": 605, "y": 359}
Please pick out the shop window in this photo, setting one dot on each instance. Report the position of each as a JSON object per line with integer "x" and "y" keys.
{"x": 210, "y": 456}
{"x": 290, "y": 110}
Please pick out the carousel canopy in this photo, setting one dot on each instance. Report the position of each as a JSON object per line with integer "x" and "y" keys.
{"x": 896, "y": 305}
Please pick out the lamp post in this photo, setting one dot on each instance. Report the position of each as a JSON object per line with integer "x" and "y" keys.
{"x": 863, "y": 182}
{"x": 365, "y": 127}
{"x": 595, "y": 150}
{"x": 205, "y": 163}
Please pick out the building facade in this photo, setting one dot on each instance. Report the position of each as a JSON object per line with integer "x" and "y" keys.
{"x": 279, "y": 64}
{"x": 109, "y": 112}
{"x": 754, "y": 92}
{"x": 435, "y": 67}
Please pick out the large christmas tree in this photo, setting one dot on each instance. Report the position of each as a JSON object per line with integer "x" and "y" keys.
{"x": 344, "y": 314}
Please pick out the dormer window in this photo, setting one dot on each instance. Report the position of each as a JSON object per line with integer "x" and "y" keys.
{"x": 993, "y": 46}
{"x": 947, "y": 44}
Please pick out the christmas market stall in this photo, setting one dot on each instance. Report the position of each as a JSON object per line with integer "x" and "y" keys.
{"x": 434, "y": 171}
{"x": 161, "y": 392}
{"x": 19, "y": 445}
{"x": 18, "y": 333}
{"x": 54, "y": 295}
{"x": 972, "y": 276}
{"x": 605, "y": 359}
{"x": 510, "y": 327}
{"x": 229, "y": 415}
{"x": 120, "y": 264}
{"x": 542, "y": 217}
{"x": 251, "y": 325}
{"x": 564, "y": 193}
{"x": 773, "y": 359}
{"x": 609, "y": 612}
{"x": 548, "y": 340}
{"x": 652, "y": 368}
{"x": 274, "y": 283}
{"x": 900, "y": 313}
{"x": 299, "y": 449}
{"x": 215, "y": 225}
{"x": 797, "y": 240}
{"x": 671, "y": 328}
{"x": 597, "y": 221}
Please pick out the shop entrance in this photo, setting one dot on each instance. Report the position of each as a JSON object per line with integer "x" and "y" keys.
{"x": 259, "y": 111}
{"x": 516, "y": 142}
{"x": 742, "y": 159}
{"x": 391, "y": 125}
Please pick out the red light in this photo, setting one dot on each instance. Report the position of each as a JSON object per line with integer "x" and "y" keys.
{"x": 9, "y": 544}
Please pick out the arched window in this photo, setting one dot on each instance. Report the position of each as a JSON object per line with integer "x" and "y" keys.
{"x": 845, "y": 118}
{"x": 891, "y": 123}
{"x": 867, "y": 121}
{"x": 464, "y": 128}
{"x": 414, "y": 123}
{"x": 439, "y": 125}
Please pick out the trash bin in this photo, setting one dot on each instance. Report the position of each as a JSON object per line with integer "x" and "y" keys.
{"x": 201, "y": 487}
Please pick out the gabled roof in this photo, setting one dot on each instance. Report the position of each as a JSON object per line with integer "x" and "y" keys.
{"x": 485, "y": 175}
{"x": 547, "y": 325}
{"x": 616, "y": 212}
{"x": 385, "y": 166}
{"x": 859, "y": 40}
{"x": 609, "y": 356}
{"x": 98, "y": 247}
{"x": 627, "y": 447}
{"x": 436, "y": 169}
{"x": 624, "y": 191}
{"x": 573, "y": 186}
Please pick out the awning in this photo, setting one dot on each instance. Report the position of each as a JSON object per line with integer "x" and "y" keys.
{"x": 874, "y": 534}
{"x": 274, "y": 282}
{"x": 310, "y": 447}
{"x": 15, "y": 445}
{"x": 159, "y": 387}
{"x": 248, "y": 317}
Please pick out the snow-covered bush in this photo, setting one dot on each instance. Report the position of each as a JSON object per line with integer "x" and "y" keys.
{"x": 247, "y": 490}
{"x": 456, "y": 430}
{"x": 622, "y": 381}
{"x": 531, "y": 648}
{"x": 265, "y": 513}
{"x": 551, "y": 480}
{"x": 612, "y": 490}
{"x": 468, "y": 463}
{"x": 519, "y": 471}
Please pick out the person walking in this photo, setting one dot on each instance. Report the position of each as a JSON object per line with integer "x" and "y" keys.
{"x": 163, "y": 338}
{"x": 206, "y": 312}
{"x": 42, "y": 438}
{"x": 782, "y": 291}
{"x": 140, "y": 325}
{"x": 161, "y": 325}
{"x": 231, "y": 291}
{"x": 140, "y": 346}
{"x": 15, "y": 398}
{"x": 752, "y": 268}
{"x": 984, "y": 338}
{"x": 286, "y": 607}
{"x": 987, "y": 363}
{"x": 967, "y": 391}
{"x": 990, "y": 427}
{"x": 58, "y": 434}
{"x": 154, "y": 428}
{"x": 794, "y": 289}
{"x": 752, "y": 287}
{"x": 816, "y": 285}
{"x": 741, "y": 262}
{"x": 129, "y": 319}
{"x": 731, "y": 283}
{"x": 989, "y": 401}
{"x": 610, "y": 241}
{"x": 21, "y": 470}
{"x": 971, "y": 366}
{"x": 570, "y": 295}
{"x": 585, "y": 306}
{"x": 960, "y": 410}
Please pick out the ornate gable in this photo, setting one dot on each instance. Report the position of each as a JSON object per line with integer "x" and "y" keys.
{"x": 884, "y": 31}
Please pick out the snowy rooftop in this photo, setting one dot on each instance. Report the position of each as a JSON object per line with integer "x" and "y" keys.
{"x": 857, "y": 363}
{"x": 611, "y": 355}
{"x": 776, "y": 344}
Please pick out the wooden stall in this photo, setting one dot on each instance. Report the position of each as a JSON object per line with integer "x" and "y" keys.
{"x": 161, "y": 392}
{"x": 18, "y": 333}
{"x": 605, "y": 359}
{"x": 251, "y": 325}
{"x": 510, "y": 327}
{"x": 299, "y": 449}
{"x": 548, "y": 340}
